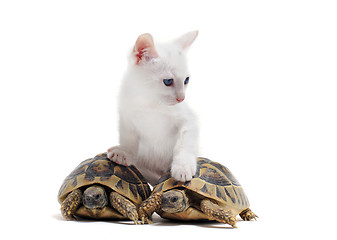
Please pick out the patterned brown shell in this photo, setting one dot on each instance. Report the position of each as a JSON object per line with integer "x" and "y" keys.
{"x": 212, "y": 180}
{"x": 100, "y": 170}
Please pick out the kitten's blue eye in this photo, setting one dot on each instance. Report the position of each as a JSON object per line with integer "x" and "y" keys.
{"x": 168, "y": 82}
{"x": 187, "y": 80}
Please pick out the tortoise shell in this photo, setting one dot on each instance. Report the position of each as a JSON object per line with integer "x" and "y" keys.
{"x": 127, "y": 181}
{"x": 212, "y": 180}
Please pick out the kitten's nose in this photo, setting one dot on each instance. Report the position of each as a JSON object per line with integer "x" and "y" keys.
{"x": 180, "y": 99}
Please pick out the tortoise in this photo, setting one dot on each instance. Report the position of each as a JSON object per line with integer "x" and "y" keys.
{"x": 84, "y": 192}
{"x": 212, "y": 194}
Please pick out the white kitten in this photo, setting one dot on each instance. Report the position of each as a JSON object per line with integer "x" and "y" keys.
{"x": 158, "y": 132}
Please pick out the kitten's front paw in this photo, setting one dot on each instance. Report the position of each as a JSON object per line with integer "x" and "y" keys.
{"x": 119, "y": 156}
{"x": 184, "y": 167}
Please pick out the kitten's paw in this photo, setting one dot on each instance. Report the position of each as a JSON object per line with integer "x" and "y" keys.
{"x": 184, "y": 167}
{"x": 119, "y": 156}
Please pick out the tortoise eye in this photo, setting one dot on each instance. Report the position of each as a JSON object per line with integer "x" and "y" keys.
{"x": 168, "y": 82}
{"x": 174, "y": 199}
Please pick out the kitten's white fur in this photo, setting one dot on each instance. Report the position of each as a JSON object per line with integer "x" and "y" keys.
{"x": 158, "y": 131}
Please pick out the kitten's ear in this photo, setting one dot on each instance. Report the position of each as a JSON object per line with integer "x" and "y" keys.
{"x": 187, "y": 39}
{"x": 144, "y": 49}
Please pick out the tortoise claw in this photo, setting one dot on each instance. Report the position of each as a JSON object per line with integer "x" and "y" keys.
{"x": 146, "y": 220}
{"x": 69, "y": 218}
{"x": 149, "y": 221}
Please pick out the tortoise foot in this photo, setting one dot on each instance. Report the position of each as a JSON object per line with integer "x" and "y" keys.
{"x": 124, "y": 206}
{"x": 248, "y": 215}
{"x": 148, "y": 207}
{"x": 70, "y": 204}
{"x": 214, "y": 212}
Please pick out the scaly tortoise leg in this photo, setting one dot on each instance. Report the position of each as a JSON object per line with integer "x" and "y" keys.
{"x": 70, "y": 204}
{"x": 248, "y": 215}
{"x": 124, "y": 206}
{"x": 148, "y": 207}
{"x": 214, "y": 212}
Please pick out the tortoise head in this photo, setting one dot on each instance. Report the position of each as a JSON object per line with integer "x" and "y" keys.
{"x": 174, "y": 201}
{"x": 95, "y": 197}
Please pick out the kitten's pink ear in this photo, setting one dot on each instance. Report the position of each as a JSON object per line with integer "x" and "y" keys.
{"x": 144, "y": 49}
{"x": 187, "y": 39}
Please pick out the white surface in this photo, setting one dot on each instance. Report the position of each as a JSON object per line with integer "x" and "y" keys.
{"x": 263, "y": 84}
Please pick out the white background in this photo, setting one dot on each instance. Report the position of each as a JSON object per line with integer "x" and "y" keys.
{"x": 263, "y": 85}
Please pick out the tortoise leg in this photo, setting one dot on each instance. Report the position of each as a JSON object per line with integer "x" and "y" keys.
{"x": 70, "y": 204}
{"x": 214, "y": 212}
{"x": 248, "y": 215}
{"x": 124, "y": 206}
{"x": 148, "y": 207}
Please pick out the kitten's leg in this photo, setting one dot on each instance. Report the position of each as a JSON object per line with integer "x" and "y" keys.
{"x": 124, "y": 153}
{"x": 150, "y": 175}
{"x": 184, "y": 162}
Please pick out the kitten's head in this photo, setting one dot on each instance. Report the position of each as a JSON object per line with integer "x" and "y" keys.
{"x": 161, "y": 69}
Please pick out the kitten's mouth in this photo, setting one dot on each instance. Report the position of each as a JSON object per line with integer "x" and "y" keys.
{"x": 173, "y": 103}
